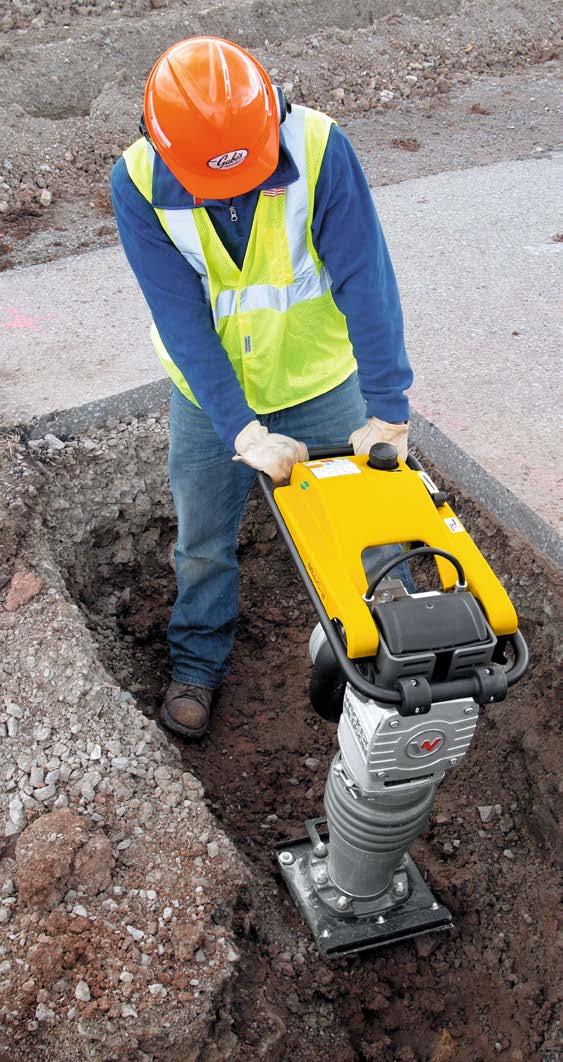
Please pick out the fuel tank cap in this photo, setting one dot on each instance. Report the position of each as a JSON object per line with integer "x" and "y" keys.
{"x": 383, "y": 456}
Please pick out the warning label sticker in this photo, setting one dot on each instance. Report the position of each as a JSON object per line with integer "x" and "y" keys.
{"x": 454, "y": 524}
{"x": 333, "y": 466}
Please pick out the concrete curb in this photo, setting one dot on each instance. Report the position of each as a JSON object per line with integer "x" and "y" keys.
{"x": 480, "y": 485}
{"x": 472, "y": 478}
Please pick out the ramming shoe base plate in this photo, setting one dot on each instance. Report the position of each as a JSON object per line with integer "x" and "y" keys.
{"x": 335, "y": 936}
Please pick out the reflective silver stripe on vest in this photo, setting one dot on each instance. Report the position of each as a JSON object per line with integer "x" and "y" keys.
{"x": 184, "y": 235}
{"x": 296, "y": 194}
{"x": 266, "y": 297}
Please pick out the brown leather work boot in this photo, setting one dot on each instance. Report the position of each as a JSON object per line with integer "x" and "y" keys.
{"x": 186, "y": 709}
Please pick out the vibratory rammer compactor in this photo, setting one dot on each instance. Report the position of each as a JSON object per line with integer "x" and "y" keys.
{"x": 403, "y": 673}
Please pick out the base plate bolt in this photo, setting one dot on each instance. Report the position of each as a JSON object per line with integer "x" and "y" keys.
{"x": 399, "y": 888}
{"x": 380, "y": 920}
{"x": 343, "y": 903}
{"x": 393, "y": 724}
{"x": 286, "y": 858}
{"x": 320, "y": 850}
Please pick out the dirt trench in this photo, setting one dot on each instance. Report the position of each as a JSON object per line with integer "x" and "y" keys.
{"x": 489, "y": 988}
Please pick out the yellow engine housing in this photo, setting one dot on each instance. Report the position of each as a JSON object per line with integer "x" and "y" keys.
{"x": 336, "y": 508}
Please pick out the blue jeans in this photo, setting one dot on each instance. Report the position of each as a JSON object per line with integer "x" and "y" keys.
{"x": 210, "y": 491}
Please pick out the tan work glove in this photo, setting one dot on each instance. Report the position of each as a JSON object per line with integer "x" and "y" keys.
{"x": 274, "y": 454}
{"x": 380, "y": 431}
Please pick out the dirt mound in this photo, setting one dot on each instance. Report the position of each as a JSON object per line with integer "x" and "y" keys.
{"x": 67, "y": 121}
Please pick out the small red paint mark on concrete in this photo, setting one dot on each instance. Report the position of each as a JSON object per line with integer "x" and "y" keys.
{"x": 23, "y": 587}
{"x": 19, "y": 319}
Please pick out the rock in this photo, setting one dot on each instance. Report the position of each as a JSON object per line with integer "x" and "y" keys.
{"x": 17, "y": 813}
{"x": 186, "y": 939}
{"x": 45, "y": 855}
{"x": 45, "y": 959}
{"x": 88, "y": 783}
{"x": 56, "y": 853}
{"x": 487, "y": 813}
{"x": 23, "y": 587}
{"x": 137, "y": 934}
{"x": 37, "y": 777}
{"x": 93, "y": 865}
{"x": 386, "y": 96}
{"x": 53, "y": 442}
{"x": 46, "y": 793}
{"x": 157, "y": 989}
{"x": 213, "y": 850}
{"x": 82, "y": 992}
{"x": 45, "y": 197}
{"x": 162, "y": 776}
{"x": 425, "y": 945}
{"x": 44, "y": 1013}
{"x": 508, "y": 853}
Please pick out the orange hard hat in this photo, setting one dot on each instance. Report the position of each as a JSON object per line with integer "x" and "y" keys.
{"x": 212, "y": 114}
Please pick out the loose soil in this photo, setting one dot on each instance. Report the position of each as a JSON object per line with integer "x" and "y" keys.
{"x": 490, "y": 986}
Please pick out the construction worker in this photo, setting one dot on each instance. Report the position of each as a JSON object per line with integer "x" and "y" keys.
{"x": 252, "y": 233}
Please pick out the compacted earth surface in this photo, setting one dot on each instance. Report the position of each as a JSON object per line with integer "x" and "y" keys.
{"x": 141, "y": 913}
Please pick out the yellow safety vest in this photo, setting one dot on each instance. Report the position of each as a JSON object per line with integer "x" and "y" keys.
{"x": 277, "y": 320}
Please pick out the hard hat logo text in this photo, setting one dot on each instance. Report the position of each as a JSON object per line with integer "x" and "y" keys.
{"x": 229, "y": 160}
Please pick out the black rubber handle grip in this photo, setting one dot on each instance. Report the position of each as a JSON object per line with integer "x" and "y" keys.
{"x": 316, "y": 453}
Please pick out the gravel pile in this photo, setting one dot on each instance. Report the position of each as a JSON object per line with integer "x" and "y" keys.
{"x": 116, "y": 885}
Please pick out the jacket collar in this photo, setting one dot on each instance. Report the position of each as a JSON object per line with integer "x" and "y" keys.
{"x": 169, "y": 194}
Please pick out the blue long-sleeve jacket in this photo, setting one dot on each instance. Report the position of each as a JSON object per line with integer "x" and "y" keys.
{"x": 349, "y": 240}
